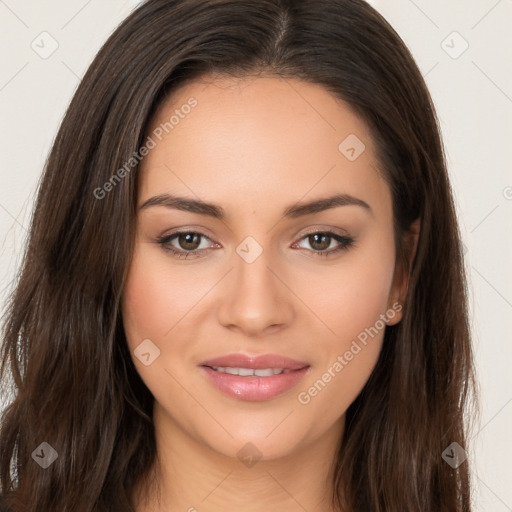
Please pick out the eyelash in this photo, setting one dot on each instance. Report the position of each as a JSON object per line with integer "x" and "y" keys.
{"x": 164, "y": 242}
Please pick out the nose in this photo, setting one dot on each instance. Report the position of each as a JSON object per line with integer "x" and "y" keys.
{"x": 256, "y": 300}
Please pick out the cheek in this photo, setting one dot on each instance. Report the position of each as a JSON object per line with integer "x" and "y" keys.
{"x": 160, "y": 302}
{"x": 154, "y": 298}
{"x": 351, "y": 302}
{"x": 154, "y": 302}
{"x": 350, "y": 296}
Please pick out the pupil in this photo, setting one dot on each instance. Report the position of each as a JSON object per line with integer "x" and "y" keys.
{"x": 323, "y": 245}
{"x": 187, "y": 241}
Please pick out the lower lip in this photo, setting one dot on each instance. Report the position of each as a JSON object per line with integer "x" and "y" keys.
{"x": 255, "y": 389}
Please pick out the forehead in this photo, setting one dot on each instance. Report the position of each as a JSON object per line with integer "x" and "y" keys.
{"x": 264, "y": 140}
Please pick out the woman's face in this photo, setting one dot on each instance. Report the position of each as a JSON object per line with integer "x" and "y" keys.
{"x": 251, "y": 277}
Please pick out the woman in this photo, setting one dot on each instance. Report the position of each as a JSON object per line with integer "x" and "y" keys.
{"x": 243, "y": 285}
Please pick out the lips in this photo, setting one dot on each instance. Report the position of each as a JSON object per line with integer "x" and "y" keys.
{"x": 227, "y": 374}
{"x": 256, "y": 362}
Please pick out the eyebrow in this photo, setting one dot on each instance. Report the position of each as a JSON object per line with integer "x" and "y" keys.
{"x": 187, "y": 204}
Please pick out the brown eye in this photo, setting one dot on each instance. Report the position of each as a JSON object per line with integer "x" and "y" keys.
{"x": 184, "y": 243}
{"x": 319, "y": 241}
{"x": 189, "y": 241}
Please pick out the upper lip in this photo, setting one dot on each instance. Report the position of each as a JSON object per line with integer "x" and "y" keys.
{"x": 256, "y": 362}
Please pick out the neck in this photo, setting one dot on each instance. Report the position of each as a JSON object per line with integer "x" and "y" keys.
{"x": 190, "y": 476}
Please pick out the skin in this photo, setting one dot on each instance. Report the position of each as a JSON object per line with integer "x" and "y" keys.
{"x": 256, "y": 146}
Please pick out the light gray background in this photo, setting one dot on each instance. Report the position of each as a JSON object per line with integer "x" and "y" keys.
{"x": 473, "y": 95}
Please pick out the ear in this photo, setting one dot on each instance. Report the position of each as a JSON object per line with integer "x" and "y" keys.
{"x": 402, "y": 274}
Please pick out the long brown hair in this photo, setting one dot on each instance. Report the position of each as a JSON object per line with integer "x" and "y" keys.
{"x": 73, "y": 382}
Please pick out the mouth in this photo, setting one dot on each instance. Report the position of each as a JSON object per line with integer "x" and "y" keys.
{"x": 254, "y": 378}
{"x": 251, "y": 372}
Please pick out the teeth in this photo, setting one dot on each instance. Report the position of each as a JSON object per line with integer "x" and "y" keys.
{"x": 248, "y": 372}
